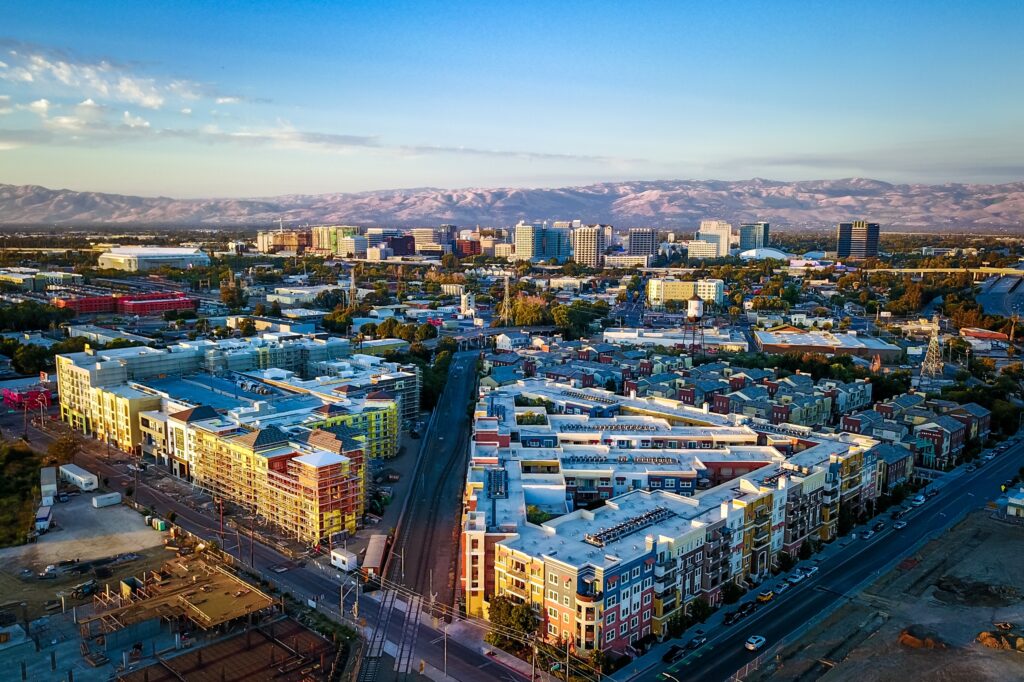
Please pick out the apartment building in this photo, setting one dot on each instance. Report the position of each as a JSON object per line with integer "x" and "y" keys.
{"x": 588, "y": 245}
{"x": 717, "y": 232}
{"x": 661, "y": 291}
{"x": 601, "y": 579}
{"x": 643, "y": 241}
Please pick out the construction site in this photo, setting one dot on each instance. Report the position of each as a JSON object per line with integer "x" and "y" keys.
{"x": 954, "y": 610}
{"x": 185, "y": 620}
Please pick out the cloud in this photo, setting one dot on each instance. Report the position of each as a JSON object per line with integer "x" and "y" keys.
{"x": 61, "y": 74}
{"x": 40, "y": 106}
{"x": 134, "y": 121}
{"x": 5, "y": 105}
{"x": 186, "y": 111}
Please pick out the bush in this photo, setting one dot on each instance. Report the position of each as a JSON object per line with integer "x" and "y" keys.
{"x": 731, "y": 592}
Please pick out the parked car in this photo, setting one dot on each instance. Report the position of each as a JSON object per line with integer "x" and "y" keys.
{"x": 795, "y": 579}
{"x": 809, "y": 571}
{"x": 918, "y": 501}
{"x": 899, "y": 513}
{"x": 697, "y": 642}
{"x": 732, "y": 617}
{"x": 899, "y": 525}
{"x": 748, "y": 608}
{"x": 782, "y": 587}
{"x": 868, "y": 534}
{"x": 755, "y": 642}
{"x": 878, "y": 527}
{"x": 765, "y": 596}
{"x": 674, "y": 653}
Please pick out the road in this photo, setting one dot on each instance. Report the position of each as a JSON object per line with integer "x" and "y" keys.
{"x": 428, "y": 531}
{"x": 843, "y": 575}
{"x": 307, "y": 580}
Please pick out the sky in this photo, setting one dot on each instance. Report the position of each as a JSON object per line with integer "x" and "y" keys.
{"x": 198, "y": 99}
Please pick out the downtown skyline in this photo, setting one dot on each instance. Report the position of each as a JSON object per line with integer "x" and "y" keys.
{"x": 261, "y": 100}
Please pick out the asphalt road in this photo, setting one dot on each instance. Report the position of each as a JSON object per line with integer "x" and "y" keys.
{"x": 843, "y": 575}
{"x": 427, "y": 542}
{"x": 304, "y": 582}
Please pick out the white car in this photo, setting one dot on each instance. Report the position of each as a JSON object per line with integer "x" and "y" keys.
{"x": 754, "y": 643}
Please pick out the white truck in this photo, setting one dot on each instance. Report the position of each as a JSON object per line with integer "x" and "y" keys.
{"x": 77, "y": 476}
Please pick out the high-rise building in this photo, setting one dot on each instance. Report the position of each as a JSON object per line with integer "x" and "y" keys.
{"x": 274, "y": 241}
{"x": 717, "y": 232}
{"x": 325, "y": 237}
{"x": 858, "y": 239}
{"x": 753, "y": 236}
{"x": 698, "y": 248}
{"x": 540, "y": 241}
{"x": 376, "y": 236}
{"x": 588, "y": 245}
{"x": 643, "y": 241}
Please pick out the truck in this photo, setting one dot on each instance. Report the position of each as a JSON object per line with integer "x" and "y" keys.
{"x": 44, "y": 517}
{"x": 344, "y": 559}
{"x": 77, "y": 476}
{"x": 107, "y": 500}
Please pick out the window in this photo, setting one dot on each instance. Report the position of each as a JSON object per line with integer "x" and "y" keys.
{"x": 634, "y": 622}
{"x": 609, "y": 636}
{"x": 647, "y": 615}
{"x": 552, "y": 613}
{"x": 623, "y": 629}
{"x": 647, "y": 583}
{"x": 552, "y": 595}
{"x": 612, "y": 600}
{"x": 610, "y": 618}
{"x": 636, "y": 590}
{"x": 636, "y": 572}
{"x": 565, "y": 617}
{"x": 552, "y": 629}
{"x": 647, "y": 599}
{"x": 565, "y": 600}
{"x": 553, "y": 579}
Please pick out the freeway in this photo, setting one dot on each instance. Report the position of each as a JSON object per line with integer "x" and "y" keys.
{"x": 842, "y": 575}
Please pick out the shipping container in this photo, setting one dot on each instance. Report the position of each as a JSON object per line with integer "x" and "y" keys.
{"x": 376, "y": 551}
{"x": 106, "y": 500}
{"x": 48, "y": 482}
{"x": 77, "y": 476}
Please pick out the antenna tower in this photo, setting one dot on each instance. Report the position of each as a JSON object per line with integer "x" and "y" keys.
{"x": 933, "y": 365}
{"x": 506, "y": 305}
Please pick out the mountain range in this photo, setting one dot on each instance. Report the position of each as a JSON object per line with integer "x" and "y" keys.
{"x": 664, "y": 203}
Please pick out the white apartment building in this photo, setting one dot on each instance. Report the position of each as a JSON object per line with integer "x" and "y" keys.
{"x": 717, "y": 232}
{"x": 588, "y": 245}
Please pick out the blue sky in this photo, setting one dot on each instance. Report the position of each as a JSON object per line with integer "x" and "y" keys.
{"x": 197, "y": 99}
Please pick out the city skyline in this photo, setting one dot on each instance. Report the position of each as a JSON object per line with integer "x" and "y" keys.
{"x": 259, "y": 101}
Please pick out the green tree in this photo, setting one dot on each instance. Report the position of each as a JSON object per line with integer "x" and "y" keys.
{"x": 275, "y": 309}
{"x": 247, "y": 327}
{"x": 64, "y": 449}
{"x": 731, "y": 592}
{"x": 260, "y": 310}
{"x": 513, "y": 617}
{"x": 700, "y": 610}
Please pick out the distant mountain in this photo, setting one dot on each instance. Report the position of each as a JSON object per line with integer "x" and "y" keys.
{"x": 667, "y": 203}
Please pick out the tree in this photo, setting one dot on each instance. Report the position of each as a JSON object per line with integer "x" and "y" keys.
{"x": 700, "y": 610}
{"x": 65, "y": 449}
{"x": 449, "y": 261}
{"x": 260, "y": 310}
{"x": 786, "y": 561}
{"x": 425, "y": 331}
{"x": 233, "y": 297}
{"x": 275, "y": 309}
{"x": 509, "y": 616}
{"x": 610, "y": 385}
{"x": 805, "y": 552}
{"x": 847, "y": 520}
{"x": 247, "y": 327}
{"x": 731, "y": 592}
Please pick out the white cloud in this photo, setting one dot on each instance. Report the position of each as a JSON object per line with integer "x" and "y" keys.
{"x": 40, "y": 106}
{"x": 134, "y": 121}
{"x": 186, "y": 111}
{"x": 3, "y": 65}
{"x": 228, "y": 100}
{"x": 5, "y": 105}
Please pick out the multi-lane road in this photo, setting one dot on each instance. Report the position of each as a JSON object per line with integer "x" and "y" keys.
{"x": 841, "y": 576}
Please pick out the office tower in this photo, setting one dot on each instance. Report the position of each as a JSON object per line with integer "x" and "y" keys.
{"x": 376, "y": 236}
{"x": 643, "y": 241}
{"x": 858, "y": 239}
{"x": 352, "y": 247}
{"x": 528, "y": 240}
{"x": 540, "y": 241}
{"x": 588, "y": 245}
{"x": 698, "y": 248}
{"x": 717, "y": 232}
{"x": 402, "y": 246}
{"x": 753, "y": 236}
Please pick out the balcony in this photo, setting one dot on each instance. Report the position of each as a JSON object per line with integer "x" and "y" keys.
{"x": 761, "y": 537}
{"x": 589, "y": 596}
{"x": 663, "y": 568}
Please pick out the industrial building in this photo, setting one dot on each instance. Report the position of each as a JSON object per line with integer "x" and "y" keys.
{"x": 145, "y": 258}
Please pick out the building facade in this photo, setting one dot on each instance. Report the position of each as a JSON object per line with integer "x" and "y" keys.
{"x": 858, "y": 239}
{"x": 753, "y": 236}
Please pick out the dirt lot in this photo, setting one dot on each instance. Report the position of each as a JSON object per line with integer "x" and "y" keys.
{"x": 109, "y": 543}
{"x": 954, "y": 588}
